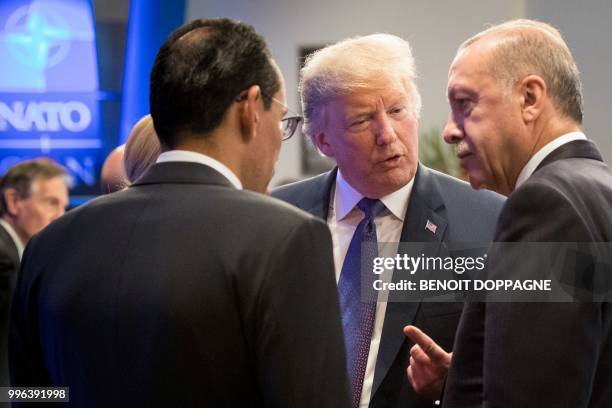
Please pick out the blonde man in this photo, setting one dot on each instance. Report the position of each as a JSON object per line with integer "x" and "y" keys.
{"x": 361, "y": 107}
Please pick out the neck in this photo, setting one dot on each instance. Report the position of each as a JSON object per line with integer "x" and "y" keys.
{"x": 221, "y": 152}
{"x": 549, "y": 130}
{"x": 542, "y": 133}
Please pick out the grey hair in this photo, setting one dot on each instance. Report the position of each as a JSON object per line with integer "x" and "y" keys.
{"x": 358, "y": 63}
{"x": 532, "y": 47}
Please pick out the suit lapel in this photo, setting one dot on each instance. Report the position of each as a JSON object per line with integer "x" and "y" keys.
{"x": 317, "y": 199}
{"x": 426, "y": 205}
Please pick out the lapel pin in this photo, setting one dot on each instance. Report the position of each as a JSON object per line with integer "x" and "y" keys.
{"x": 431, "y": 227}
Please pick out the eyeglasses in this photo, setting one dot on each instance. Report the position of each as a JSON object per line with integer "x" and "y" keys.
{"x": 288, "y": 125}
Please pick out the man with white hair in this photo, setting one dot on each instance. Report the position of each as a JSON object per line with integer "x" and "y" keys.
{"x": 361, "y": 107}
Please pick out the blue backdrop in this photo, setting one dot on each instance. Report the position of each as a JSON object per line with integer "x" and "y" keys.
{"x": 150, "y": 23}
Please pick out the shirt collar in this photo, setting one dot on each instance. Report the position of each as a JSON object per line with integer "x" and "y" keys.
{"x": 194, "y": 157}
{"x": 13, "y": 234}
{"x": 346, "y": 198}
{"x": 541, "y": 154}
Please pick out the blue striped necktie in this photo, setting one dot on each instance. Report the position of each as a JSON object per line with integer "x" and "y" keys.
{"x": 357, "y": 316}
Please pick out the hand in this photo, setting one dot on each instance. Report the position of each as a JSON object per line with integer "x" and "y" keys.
{"x": 428, "y": 364}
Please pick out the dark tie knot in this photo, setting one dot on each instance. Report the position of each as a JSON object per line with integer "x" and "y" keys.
{"x": 370, "y": 207}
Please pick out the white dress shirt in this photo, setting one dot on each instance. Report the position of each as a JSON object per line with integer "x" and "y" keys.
{"x": 541, "y": 154}
{"x": 193, "y": 157}
{"x": 13, "y": 234}
{"x": 343, "y": 217}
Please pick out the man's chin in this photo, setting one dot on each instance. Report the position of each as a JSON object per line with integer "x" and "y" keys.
{"x": 476, "y": 182}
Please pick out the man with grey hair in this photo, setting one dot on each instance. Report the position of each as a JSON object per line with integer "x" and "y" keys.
{"x": 516, "y": 108}
{"x": 361, "y": 107}
{"x": 32, "y": 194}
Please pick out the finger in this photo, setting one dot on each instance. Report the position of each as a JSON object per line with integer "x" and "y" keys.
{"x": 411, "y": 377}
{"x": 427, "y": 345}
{"x": 420, "y": 357}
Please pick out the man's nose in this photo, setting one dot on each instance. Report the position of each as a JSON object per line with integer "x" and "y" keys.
{"x": 385, "y": 131}
{"x": 452, "y": 133}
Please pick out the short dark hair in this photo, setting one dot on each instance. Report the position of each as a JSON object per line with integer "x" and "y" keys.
{"x": 21, "y": 176}
{"x": 199, "y": 72}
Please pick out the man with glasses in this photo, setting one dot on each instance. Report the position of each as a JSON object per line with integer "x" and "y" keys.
{"x": 361, "y": 107}
{"x": 185, "y": 289}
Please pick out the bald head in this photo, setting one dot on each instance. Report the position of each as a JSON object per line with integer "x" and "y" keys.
{"x": 112, "y": 177}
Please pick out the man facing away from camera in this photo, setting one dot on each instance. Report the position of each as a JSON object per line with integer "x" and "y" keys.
{"x": 186, "y": 289}
{"x": 361, "y": 107}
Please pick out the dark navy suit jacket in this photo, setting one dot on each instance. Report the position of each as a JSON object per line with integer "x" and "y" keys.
{"x": 461, "y": 214}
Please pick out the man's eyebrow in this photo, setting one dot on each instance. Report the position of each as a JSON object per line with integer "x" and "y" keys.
{"x": 454, "y": 90}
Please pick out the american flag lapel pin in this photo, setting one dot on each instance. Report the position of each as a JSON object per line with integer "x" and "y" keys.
{"x": 431, "y": 227}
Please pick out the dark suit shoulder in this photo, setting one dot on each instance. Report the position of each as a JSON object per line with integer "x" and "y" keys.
{"x": 174, "y": 209}
{"x": 573, "y": 174}
{"x": 301, "y": 191}
{"x": 453, "y": 188}
{"x": 471, "y": 214}
{"x": 566, "y": 200}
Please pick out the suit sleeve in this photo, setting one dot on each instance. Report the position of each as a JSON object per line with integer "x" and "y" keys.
{"x": 539, "y": 354}
{"x": 26, "y": 363}
{"x": 7, "y": 279}
{"x": 300, "y": 353}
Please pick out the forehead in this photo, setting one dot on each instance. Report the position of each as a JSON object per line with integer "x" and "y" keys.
{"x": 364, "y": 98}
{"x": 53, "y": 185}
{"x": 470, "y": 69}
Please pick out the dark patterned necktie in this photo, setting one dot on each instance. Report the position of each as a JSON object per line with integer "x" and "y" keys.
{"x": 357, "y": 316}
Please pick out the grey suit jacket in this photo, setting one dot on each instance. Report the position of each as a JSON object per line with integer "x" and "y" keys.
{"x": 545, "y": 355}
{"x": 461, "y": 215}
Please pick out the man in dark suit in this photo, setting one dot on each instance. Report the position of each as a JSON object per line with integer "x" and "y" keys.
{"x": 32, "y": 194}
{"x": 516, "y": 102}
{"x": 185, "y": 290}
{"x": 361, "y": 107}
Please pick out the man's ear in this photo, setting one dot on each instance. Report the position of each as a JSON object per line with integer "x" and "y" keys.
{"x": 11, "y": 198}
{"x": 249, "y": 112}
{"x": 533, "y": 92}
{"x": 320, "y": 140}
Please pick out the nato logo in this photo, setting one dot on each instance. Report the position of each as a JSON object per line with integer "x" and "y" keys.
{"x": 49, "y": 101}
{"x": 47, "y": 46}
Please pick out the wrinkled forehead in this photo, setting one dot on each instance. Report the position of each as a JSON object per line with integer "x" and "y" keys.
{"x": 473, "y": 61}
{"x": 370, "y": 96}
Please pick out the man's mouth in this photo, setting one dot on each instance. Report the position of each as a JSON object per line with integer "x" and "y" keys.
{"x": 391, "y": 160}
{"x": 462, "y": 150}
